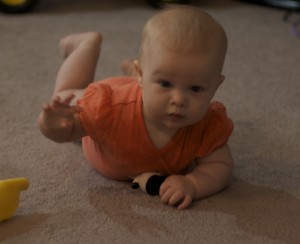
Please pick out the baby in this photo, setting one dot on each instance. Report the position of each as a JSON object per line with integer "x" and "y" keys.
{"x": 161, "y": 118}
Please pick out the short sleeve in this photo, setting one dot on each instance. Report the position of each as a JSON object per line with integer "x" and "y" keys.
{"x": 217, "y": 129}
{"x": 96, "y": 109}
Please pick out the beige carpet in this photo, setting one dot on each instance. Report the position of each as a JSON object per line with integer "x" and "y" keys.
{"x": 68, "y": 202}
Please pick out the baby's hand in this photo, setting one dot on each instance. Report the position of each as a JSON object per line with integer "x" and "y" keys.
{"x": 59, "y": 115}
{"x": 177, "y": 190}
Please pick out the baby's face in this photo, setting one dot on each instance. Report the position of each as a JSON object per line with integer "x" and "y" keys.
{"x": 177, "y": 89}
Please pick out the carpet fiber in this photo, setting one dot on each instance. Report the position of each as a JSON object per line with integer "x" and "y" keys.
{"x": 68, "y": 202}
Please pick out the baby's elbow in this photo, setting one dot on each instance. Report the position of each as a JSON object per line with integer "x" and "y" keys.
{"x": 230, "y": 164}
{"x": 226, "y": 176}
{"x": 223, "y": 175}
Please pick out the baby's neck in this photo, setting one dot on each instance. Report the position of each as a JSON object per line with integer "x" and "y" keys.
{"x": 158, "y": 136}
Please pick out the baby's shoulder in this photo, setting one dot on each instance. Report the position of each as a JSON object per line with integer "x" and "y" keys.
{"x": 111, "y": 89}
{"x": 216, "y": 107}
{"x": 215, "y": 119}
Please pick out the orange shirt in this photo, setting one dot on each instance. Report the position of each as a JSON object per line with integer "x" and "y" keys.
{"x": 118, "y": 144}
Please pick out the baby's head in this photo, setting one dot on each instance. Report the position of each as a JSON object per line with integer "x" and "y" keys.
{"x": 184, "y": 30}
{"x": 181, "y": 59}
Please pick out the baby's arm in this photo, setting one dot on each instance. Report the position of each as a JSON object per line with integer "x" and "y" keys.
{"x": 59, "y": 121}
{"x": 211, "y": 175}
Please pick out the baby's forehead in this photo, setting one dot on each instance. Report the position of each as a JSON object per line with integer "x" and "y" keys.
{"x": 162, "y": 55}
{"x": 196, "y": 32}
{"x": 180, "y": 47}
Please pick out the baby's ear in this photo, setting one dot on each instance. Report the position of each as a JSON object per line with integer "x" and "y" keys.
{"x": 137, "y": 66}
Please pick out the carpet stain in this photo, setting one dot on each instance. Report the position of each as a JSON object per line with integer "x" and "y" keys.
{"x": 20, "y": 225}
{"x": 258, "y": 210}
{"x": 125, "y": 214}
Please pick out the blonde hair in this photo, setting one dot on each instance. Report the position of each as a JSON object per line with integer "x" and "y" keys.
{"x": 185, "y": 29}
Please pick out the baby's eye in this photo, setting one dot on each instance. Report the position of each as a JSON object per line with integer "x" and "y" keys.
{"x": 165, "y": 83}
{"x": 196, "y": 88}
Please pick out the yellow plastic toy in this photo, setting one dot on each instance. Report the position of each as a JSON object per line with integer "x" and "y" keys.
{"x": 10, "y": 196}
{"x": 17, "y": 6}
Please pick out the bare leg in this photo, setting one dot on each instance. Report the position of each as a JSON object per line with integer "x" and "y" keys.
{"x": 81, "y": 52}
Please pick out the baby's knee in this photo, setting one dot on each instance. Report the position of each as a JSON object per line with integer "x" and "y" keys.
{"x": 91, "y": 39}
{"x": 95, "y": 37}
{"x": 71, "y": 42}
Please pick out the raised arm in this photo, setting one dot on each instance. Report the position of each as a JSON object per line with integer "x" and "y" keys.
{"x": 59, "y": 121}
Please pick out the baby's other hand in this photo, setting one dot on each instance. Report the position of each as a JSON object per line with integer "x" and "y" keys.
{"x": 177, "y": 190}
{"x": 59, "y": 113}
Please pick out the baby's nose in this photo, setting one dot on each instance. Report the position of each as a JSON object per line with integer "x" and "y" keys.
{"x": 178, "y": 99}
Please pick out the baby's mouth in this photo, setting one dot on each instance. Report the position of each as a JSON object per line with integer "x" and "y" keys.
{"x": 176, "y": 116}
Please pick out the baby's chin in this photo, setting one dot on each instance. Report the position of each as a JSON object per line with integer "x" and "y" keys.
{"x": 176, "y": 126}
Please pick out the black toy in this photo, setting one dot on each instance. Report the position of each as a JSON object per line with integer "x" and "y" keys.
{"x": 148, "y": 182}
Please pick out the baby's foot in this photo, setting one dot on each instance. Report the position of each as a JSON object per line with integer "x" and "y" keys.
{"x": 69, "y": 43}
{"x": 128, "y": 67}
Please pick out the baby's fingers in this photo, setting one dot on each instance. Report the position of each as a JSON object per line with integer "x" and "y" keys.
{"x": 55, "y": 101}
{"x": 58, "y": 101}
{"x": 165, "y": 194}
{"x": 69, "y": 98}
{"x": 46, "y": 107}
{"x": 175, "y": 198}
{"x": 185, "y": 203}
{"x": 171, "y": 196}
{"x": 75, "y": 109}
